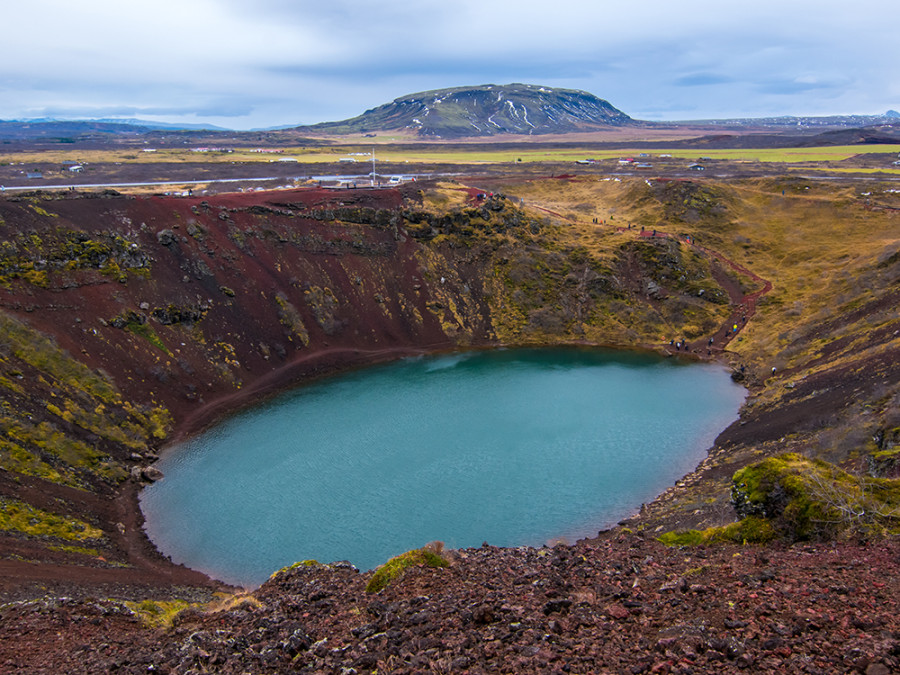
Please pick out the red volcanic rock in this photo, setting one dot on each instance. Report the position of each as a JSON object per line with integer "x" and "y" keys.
{"x": 829, "y": 608}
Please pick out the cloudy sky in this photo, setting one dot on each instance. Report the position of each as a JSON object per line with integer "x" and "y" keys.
{"x": 243, "y": 64}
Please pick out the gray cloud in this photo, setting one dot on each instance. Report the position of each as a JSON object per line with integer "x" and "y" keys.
{"x": 218, "y": 110}
{"x": 296, "y": 61}
{"x": 701, "y": 80}
{"x": 797, "y": 86}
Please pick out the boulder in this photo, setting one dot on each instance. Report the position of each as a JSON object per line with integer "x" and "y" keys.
{"x": 150, "y": 474}
{"x": 166, "y": 237}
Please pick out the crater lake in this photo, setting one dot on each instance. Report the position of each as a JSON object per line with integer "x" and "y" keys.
{"x": 510, "y": 447}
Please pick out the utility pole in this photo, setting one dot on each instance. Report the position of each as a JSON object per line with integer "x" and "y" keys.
{"x": 373, "y": 167}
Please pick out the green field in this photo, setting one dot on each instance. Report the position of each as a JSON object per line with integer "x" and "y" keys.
{"x": 479, "y": 154}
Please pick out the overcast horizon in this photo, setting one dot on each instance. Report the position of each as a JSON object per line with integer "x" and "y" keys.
{"x": 291, "y": 62}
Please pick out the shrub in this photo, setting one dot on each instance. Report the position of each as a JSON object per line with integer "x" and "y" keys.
{"x": 796, "y": 498}
{"x": 808, "y": 498}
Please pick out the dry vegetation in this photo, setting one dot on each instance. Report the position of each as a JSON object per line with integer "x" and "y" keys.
{"x": 829, "y": 326}
{"x": 819, "y": 243}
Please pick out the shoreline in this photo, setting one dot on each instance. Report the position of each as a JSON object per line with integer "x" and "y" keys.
{"x": 335, "y": 362}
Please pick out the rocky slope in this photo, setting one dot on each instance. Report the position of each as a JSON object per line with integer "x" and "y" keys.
{"x": 486, "y": 110}
{"x": 618, "y": 604}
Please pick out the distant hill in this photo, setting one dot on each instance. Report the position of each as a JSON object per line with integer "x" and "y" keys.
{"x": 163, "y": 126}
{"x": 738, "y": 138}
{"x": 486, "y": 110}
{"x": 804, "y": 123}
{"x": 49, "y": 128}
{"x": 57, "y": 129}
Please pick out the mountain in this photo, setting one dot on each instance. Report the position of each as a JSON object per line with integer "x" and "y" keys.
{"x": 486, "y": 110}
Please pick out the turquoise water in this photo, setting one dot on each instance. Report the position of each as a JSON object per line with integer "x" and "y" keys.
{"x": 518, "y": 447}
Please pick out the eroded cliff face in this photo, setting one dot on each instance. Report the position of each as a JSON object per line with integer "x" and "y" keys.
{"x": 183, "y": 301}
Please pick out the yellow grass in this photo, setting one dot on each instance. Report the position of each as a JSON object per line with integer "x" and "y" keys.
{"x": 819, "y": 246}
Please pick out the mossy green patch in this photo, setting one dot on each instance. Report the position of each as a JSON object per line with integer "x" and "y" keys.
{"x": 809, "y": 498}
{"x": 49, "y": 438}
{"x": 293, "y": 566}
{"x": 794, "y": 498}
{"x": 145, "y": 331}
{"x": 43, "y": 355}
{"x": 33, "y": 522}
{"x": 290, "y": 318}
{"x": 51, "y": 398}
{"x": 14, "y": 457}
{"x": 42, "y": 212}
{"x": 35, "y": 256}
{"x": 393, "y": 568}
{"x": 80, "y": 550}
{"x": 750, "y": 530}
{"x": 132, "y": 434}
{"x": 159, "y": 613}
{"x": 324, "y": 305}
